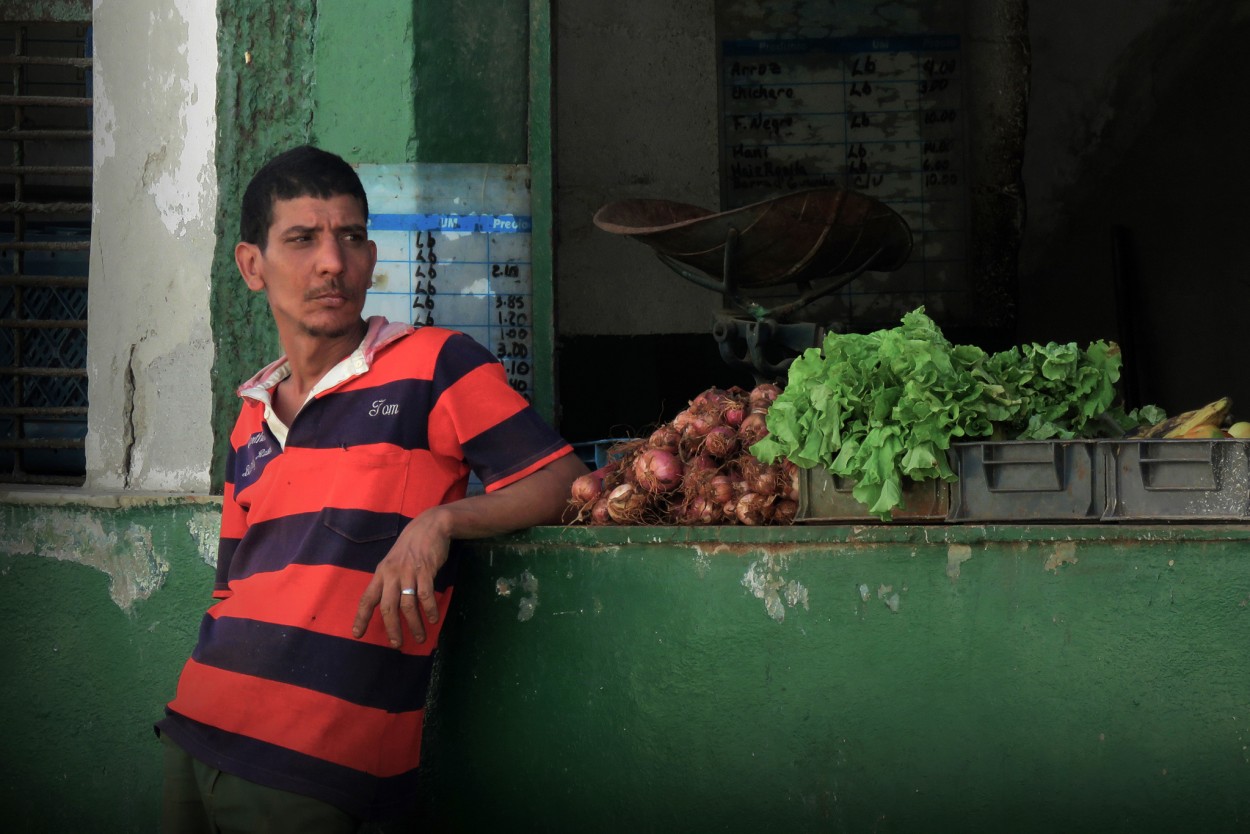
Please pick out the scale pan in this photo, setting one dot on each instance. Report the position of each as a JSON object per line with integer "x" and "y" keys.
{"x": 794, "y": 238}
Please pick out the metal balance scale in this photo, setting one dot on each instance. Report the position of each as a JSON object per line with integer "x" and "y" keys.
{"x": 818, "y": 240}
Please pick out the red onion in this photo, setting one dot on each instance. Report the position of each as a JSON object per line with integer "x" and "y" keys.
{"x": 587, "y": 489}
{"x": 698, "y": 510}
{"x": 754, "y": 428}
{"x": 699, "y": 470}
{"x": 626, "y": 504}
{"x": 754, "y": 509}
{"x": 721, "y": 489}
{"x": 762, "y": 395}
{"x": 764, "y": 483}
{"x": 682, "y": 420}
{"x": 705, "y": 397}
{"x": 789, "y": 479}
{"x": 665, "y": 437}
{"x": 656, "y": 470}
{"x": 748, "y": 467}
{"x": 784, "y": 511}
{"x": 701, "y": 422}
{"x": 721, "y": 442}
{"x": 599, "y": 512}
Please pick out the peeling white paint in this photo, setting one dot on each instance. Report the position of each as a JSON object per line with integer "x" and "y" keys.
{"x": 764, "y": 580}
{"x": 889, "y": 596}
{"x": 956, "y": 555}
{"x": 528, "y": 583}
{"x": 1063, "y": 554}
{"x": 702, "y": 564}
{"x": 179, "y": 191}
{"x": 134, "y": 568}
{"x": 205, "y": 529}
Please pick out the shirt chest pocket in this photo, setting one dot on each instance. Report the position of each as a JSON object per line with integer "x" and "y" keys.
{"x": 351, "y": 490}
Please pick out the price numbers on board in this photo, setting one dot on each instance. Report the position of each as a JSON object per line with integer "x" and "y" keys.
{"x": 425, "y": 271}
{"x": 512, "y": 343}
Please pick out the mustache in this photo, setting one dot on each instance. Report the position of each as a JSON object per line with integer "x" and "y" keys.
{"x": 332, "y": 288}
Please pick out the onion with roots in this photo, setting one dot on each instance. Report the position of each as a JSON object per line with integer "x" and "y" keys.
{"x": 698, "y": 510}
{"x": 696, "y": 469}
{"x": 700, "y": 423}
{"x": 665, "y": 437}
{"x": 784, "y": 511}
{"x": 765, "y": 483}
{"x": 626, "y": 504}
{"x": 587, "y": 488}
{"x": 721, "y": 489}
{"x": 754, "y": 509}
{"x": 762, "y": 395}
{"x": 789, "y": 479}
{"x": 699, "y": 470}
{"x": 599, "y": 514}
{"x": 721, "y": 443}
{"x": 754, "y": 428}
{"x": 656, "y": 470}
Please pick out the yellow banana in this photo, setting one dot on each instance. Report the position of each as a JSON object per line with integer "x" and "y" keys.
{"x": 1211, "y": 414}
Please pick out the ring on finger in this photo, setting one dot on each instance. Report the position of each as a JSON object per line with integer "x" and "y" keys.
{"x": 408, "y": 592}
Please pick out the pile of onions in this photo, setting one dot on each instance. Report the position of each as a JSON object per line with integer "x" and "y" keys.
{"x": 696, "y": 469}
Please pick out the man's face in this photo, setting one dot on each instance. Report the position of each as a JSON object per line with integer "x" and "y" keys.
{"x": 316, "y": 266}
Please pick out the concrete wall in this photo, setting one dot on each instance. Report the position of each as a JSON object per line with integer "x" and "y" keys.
{"x": 150, "y": 348}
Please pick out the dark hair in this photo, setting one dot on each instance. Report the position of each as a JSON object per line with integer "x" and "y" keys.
{"x": 300, "y": 172}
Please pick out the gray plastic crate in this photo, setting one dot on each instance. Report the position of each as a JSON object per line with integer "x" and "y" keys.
{"x": 594, "y": 453}
{"x": 1177, "y": 480}
{"x": 825, "y": 497}
{"x": 1027, "y": 480}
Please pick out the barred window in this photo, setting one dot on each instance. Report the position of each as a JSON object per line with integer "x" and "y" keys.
{"x": 45, "y": 232}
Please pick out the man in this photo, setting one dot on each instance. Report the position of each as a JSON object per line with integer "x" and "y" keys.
{"x": 301, "y": 706}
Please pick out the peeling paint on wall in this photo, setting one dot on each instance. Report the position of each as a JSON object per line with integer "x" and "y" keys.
{"x": 763, "y": 579}
{"x": 204, "y": 528}
{"x": 889, "y": 596}
{"x": 1063, "y": 554}
{"x": 956, "y": 555}
{"x": 126, "y": 554}
{"x": 528, "y": 583}
{"x": 182, "y": 186}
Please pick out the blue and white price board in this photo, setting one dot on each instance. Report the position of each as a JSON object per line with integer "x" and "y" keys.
{"x": 454, "y": 250}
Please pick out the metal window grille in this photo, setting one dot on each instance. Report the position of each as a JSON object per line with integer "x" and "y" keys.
{"x": 45, "y": 231}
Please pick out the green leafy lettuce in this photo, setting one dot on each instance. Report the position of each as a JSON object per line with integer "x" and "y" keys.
{"x": 879, "y": 408}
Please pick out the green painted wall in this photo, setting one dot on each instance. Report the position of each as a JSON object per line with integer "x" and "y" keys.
{"x": 364, "y": 97}
{"x": 472, "y": 68}
{"x": 728, "y": 679}
{"x": 947, "y": 679}
{"x": 100, "y": 608}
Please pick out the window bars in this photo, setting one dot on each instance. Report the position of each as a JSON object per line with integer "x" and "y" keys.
{"x": 45, "y": 232}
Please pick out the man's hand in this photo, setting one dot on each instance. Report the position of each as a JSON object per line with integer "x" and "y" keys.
{"x": 421, "y": 549}
{"x": 412, "y": 563}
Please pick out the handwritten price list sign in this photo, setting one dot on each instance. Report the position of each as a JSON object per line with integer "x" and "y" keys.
{"x": 466, "y": 266}
{"x": 882, "y": 116}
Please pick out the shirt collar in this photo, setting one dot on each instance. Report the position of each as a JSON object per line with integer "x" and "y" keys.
{"x": 379, "y": 333}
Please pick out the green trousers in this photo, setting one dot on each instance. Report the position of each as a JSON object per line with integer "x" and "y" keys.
{"x": 198, "y": 799}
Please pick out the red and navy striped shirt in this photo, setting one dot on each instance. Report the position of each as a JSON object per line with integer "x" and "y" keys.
{"x": 277, "y": 690}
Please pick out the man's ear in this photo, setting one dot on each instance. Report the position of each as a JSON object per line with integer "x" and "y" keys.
{"x": 248, "y": 257}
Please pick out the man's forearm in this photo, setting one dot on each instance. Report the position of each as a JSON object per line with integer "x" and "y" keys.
{"x": 539, "y": 498}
